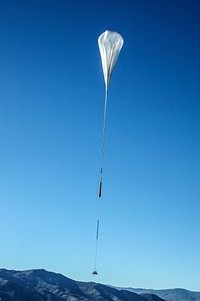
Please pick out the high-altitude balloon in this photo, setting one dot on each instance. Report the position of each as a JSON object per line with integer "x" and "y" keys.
{"x": 110, "y": 44}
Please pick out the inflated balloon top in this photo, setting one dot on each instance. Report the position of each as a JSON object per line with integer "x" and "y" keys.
{"x": 110, "y": 44}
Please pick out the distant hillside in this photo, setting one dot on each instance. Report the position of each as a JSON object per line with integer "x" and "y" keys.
{"x": 40, "y": 285}
{"x": 176, "y": 294}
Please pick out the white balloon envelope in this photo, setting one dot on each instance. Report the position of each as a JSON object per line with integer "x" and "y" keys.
{"x": 110, "y": 44}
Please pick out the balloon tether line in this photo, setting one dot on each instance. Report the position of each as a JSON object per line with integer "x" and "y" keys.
{"x": 103, "y": 131}
{"x": 100, "y": 182}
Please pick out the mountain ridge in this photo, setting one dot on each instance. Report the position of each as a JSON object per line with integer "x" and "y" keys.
{"x": 42, "y": 285}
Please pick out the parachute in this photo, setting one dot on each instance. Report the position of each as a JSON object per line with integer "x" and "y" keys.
{"x": 110, "y": 44}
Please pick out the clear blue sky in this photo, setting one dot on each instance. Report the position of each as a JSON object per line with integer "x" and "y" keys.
{"x": 51, "y": 111}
